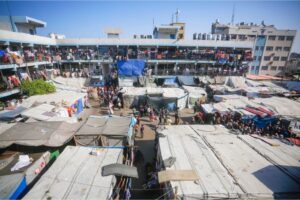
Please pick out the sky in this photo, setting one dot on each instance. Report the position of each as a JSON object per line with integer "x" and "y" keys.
{"x": 78, "y": 19}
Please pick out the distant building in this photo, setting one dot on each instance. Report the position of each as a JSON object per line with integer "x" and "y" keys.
{"x": 293, "y": 64}
{"x": 21, "y": 24}
{"x": 272, "y": 46}
{"x": 172, "y": 31}
{"x": 57, "y": 36}
{"x": 113, "y": 32}
{"x": 181, "y": 31}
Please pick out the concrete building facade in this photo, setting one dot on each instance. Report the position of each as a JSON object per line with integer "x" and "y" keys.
{"x": 271, "y": 46}
{"x": 21, "y": 24}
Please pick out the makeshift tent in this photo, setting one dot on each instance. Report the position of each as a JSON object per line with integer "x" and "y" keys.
{"x": 195, "y": 93}
{"x": 262, "y": 122}
{"x": 52, "y": 134}
{"x": 293, "y": 85}
{"x": 215, "y": 155}
{"x": 187, "y": 80}
{"x": 47, "y": 112}
{"x": 133, "y": 95}
{"x": 170, "y": 82}
{"x": 131, "y": 67}
{"x": 104, "y": 131}
{"x": 281, "y": 106}
{"x": 76, "y": 174}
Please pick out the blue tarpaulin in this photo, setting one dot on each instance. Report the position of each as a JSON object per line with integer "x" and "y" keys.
{"x": 2, "y": 53}
{"x": 293, "y": 85}
{"x": 79, "y": 106}
{"x": 7, "y": 115}
{"x": 222, "y": 61}
{"x": 131, "y": 67}
{"x": 170, "y": 82}
{"x": 186, "y": 80}
{"x": 19, "y": 190}
{"x": 263, "y": 122}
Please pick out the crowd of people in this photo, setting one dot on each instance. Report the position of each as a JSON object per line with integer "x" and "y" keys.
{"x": 235, "y": 121}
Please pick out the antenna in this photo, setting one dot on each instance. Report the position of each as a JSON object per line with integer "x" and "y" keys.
{"x": 172, "y": 18}
{"x": 177, "y": 13}
{"x": 153, "y": 23}
{"x": 233, "y": 13}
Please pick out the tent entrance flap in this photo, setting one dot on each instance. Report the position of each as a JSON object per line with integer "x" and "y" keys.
{"x": 177, "y": 175}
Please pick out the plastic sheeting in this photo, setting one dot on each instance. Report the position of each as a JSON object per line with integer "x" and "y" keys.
{"x": 119, "y": 170}
{"x": 186, "y": 80}
{"x": 170, "y": 82}
{"x": 7, "y": 115}
{"x": 131, "y": 67}
{"x": 11, "y": 186}
{"x": 52, "y": 134}
{"x": 76, "y": 175}
{"x": 263, "y": 122}
{"x": 293, "y": 85}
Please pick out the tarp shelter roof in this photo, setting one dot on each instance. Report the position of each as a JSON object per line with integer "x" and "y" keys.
{"x": 227, "y": 166}
{"x": 282, "y": 106}
{"x": 170, "y": 82}
{"x": 195, "y": 92}
{"x": 52, "y": 134}
{"x": 8, "y": 115}
{"x": 120, "y": 170}
{"x": 166, "y": 92}
{"x": 262, "y": 77}
{"x": 9, "y": 184}
{"x": 47, "y": 112}
{"x": 76, "y": 174}
{"x": 105, "y": 125}
{"x": 5, "y": 126}
{"x": 186, "y": 80}
{"x": 60, "y": 97}
{"x": 293, "y": 85}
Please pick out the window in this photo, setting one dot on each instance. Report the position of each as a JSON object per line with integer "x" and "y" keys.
{"x": 273, "y": 68}
{"x": 242, "y": 37}
{"x": 269, "y": 48}
{"x": 31, "y": 31}
{"x": 254, "y": 58}
{"x": 281, "y": 68}
{"x": 256, "y": 48}
{"x": 259, "y": 58}
{"x": 233, "y": 37}
{"x": 283, "y": 58}
{"x": 286, "y": 48}
{"x": 272, "y": 37}
{"x": 289, "y": 38}
{"x": 278, "y": 48}
{"x": 275, "y": 58}
{"x": 281, "y": 38}
{"x": 264, "y": 68}
{"x": 267, "y": 58}
{"x": 262, "y": 48}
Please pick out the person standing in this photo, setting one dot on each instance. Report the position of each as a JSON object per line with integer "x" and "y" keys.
{"x": 142, "y": 131}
